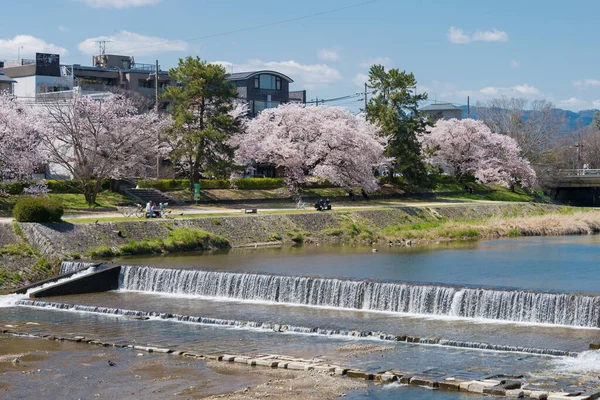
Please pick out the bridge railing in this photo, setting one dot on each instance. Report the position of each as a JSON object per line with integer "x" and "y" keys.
{"x": 583, "y": 172}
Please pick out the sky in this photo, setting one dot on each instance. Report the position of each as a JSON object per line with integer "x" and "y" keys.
{"x": 456, "y": 48}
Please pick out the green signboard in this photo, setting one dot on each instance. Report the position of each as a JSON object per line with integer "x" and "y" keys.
{"x": 196, "y": 191}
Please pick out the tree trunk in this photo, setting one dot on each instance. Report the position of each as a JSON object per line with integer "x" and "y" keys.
{"x": 194, "y": 175}
{"x": 90, "y": 192}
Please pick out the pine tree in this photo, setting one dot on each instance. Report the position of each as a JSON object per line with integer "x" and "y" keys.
{"x": 394, "y": 108}
{"x": 201, "y": 106}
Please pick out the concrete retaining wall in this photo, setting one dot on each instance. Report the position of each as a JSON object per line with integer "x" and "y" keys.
{"x": 101, "y": 281}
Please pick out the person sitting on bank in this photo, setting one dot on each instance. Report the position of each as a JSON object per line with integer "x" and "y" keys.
{"x": 364, "y": 194}
{"x": 155, "y": 211}
{"x": 149, "y": 209}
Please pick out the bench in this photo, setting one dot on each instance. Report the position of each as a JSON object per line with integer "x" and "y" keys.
{"x": 250, "y": 210}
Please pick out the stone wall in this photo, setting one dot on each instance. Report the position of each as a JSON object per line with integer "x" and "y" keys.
{"x": 64, "y": 239}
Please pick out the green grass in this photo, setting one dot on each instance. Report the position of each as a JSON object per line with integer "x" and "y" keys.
{"x": 71, "y": 202}
{"x": 500, "y": 193}
{"x": 17, "y": 249}
{"x": 106, "y": 199}
{"x": 178, "y": 240}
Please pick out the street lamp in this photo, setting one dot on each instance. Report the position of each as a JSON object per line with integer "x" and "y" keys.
{"x": 156, "y": 111}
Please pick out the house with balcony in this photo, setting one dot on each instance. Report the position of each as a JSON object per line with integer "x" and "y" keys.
{"x": 107, "y": 73}
{"x": 265, "y": 89}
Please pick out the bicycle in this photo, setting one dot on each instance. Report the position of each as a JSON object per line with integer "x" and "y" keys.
{"x": 135, "y": 210}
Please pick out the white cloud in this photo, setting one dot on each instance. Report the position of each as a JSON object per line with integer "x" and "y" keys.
{"x": 360, "y": 79}
{"x": 458, "y": 36}
{"x": 63, "y": 28}
{"x": 305, "y": 76}
{"x": 328, "y": 55}
{"x": 131, "y": 43}
{"x": 514, "y": 64}
{"x": 385, "y": 61}
{"x": 28, "y": 45}
{"x": 523, "y": 90}
{"x": 119, "y": 4}
{"x": 586, "y": 83}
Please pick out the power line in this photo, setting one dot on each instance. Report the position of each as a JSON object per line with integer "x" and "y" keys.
{"x": 252, "y": 27}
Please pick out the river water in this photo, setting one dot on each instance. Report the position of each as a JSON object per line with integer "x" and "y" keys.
{"x": 527, "y": 306}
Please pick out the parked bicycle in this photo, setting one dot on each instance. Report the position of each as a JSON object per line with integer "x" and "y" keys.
{"x": 136, "y": 210}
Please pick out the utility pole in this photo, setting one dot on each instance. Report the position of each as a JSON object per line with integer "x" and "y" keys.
{"x": 365, "y": 96}
{"x": 468, "y": 108}
{"x": 317, "y": 102}
{"x": 156, "y": 111}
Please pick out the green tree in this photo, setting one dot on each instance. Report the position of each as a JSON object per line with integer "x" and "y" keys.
{"x": 202, "y": 106}
{"x": 596, "y": 121}
{"x": 394, "y": 108}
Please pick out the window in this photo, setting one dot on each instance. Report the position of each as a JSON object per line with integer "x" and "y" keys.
{"x": 143, "y": 83}
{"x": 268, "y": 82}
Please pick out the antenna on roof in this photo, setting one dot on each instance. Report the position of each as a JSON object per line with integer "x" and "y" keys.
{"x": 102, "y": 46}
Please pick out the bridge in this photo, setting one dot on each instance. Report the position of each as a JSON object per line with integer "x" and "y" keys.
{"x": 576, "y": 186}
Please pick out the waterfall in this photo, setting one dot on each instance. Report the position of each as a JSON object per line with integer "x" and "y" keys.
{"x": 365, "y": 295}
{"x": 292, "y": 329}
{"x": 67, "y": 267}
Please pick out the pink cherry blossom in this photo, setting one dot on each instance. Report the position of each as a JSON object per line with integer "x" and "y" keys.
{"x": 314, "y": 142}
{"x": 469, "y": 147}
{"x": 19, "y": 144}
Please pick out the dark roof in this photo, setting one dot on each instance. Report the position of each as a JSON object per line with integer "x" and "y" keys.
{"x": 440, "y": 107}
{"x": 240, "y": 76}
{"x": 5, "y": 79}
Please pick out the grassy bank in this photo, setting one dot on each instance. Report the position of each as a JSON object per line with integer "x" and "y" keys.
{"x": 71, "y": 202}
{"x": 567, "y": 221}
{"x": 178, "y": 240}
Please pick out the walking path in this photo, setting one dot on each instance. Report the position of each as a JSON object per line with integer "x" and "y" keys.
{"x": 179, "y": 211}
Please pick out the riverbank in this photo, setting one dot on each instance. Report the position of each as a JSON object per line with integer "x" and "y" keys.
{"x": 31, "y": 251}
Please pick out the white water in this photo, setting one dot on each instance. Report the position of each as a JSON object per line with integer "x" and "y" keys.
{"x": 585, "y": 362}
{"x": 11, "y": 300}
{"x": 291, "y": 329}
{"x": 72, "y": 266}
{"x": 423, "y": 300}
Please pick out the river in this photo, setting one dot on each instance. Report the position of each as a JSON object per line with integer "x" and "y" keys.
{"x": 526, "y": 306}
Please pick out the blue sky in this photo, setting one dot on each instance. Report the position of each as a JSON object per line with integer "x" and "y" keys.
{"x": 482, "y": 49}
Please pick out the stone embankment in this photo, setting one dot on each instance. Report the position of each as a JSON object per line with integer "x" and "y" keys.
{"x": 29, "y": 249}
{"x": 498, "y": 385}
{"x": 64, "y": 239}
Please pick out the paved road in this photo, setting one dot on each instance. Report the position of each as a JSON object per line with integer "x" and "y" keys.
{"x": 270, "y": 208}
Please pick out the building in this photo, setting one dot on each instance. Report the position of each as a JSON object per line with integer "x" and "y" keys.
{"x": 439, "y": 111}
{"x": 107, "y": 73}
{"x": 6, "y": 83}
{"x": 265, "y": 89}
{"x": 44, "y": 74}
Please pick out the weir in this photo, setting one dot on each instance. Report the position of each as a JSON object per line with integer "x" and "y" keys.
{"x": 420, "y": 300}
{"x": 304, "y": 330}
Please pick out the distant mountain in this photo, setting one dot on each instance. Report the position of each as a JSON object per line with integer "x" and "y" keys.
{"x": 575, "y": 120}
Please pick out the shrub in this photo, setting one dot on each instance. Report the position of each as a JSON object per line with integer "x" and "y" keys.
{"x": 258, "y": 183}
{"x": 71, "y": 186}
{"x": 14, "y": 187}
{"x": 167, "y": 185}
{"x": 42, "y": 209}
{"x": 214, "y": 184}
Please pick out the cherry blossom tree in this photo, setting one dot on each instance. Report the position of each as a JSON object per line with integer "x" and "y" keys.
{"x": 19, "y": 145}
{"x": 324, "y": 142}
{"x": 469, "y": 147}
{"x": 97, "y": 139}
